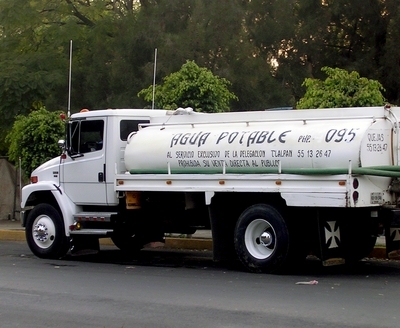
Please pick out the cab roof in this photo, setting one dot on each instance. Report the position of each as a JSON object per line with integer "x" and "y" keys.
{"x": 118, "y": 112}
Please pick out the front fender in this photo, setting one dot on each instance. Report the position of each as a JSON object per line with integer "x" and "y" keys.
{"x": 47, "y": 192}
{"x": 29, "y": 190}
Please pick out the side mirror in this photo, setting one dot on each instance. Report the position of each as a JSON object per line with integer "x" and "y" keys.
{"x": 61, "y": 143}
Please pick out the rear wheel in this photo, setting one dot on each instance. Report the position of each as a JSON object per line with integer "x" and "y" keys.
{"x": 45, "y": 232}
{"x": 261, "y": 238}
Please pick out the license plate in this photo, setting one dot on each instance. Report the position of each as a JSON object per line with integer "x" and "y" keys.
{"x": 376, "y": 197}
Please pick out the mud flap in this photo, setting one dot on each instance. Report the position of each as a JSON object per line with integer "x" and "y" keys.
{"x": 222, "y": 221}
{"x": 392, "y": 234}
{"x": 330, "y": 242}
{"x": 222, "y": 236}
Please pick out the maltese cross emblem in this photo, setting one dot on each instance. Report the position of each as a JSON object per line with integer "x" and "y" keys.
{"x": 332, "y": 234}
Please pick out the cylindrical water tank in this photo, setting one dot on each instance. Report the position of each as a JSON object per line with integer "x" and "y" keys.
{"x": 258, "y": 147}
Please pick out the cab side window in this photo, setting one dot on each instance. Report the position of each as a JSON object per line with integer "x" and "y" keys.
{"x": 128, "y": 126}
{"x": 86, "y": 136}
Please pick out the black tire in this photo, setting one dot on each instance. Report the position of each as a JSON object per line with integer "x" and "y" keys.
{"x": 359, "y": 238}
{"x": 131, "y": 235}
{"x": 45, "y": 232}
{"x": 362, "y": 249}
{"x": 261, "y": 239}
{"x": 126, "y": 241}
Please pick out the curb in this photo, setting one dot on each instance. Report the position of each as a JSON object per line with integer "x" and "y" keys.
{"x": 379, "y": 252}
{"x": 12, "y": 235}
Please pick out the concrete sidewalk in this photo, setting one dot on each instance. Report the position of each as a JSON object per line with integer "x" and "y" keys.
{"x": 201, "y": 240}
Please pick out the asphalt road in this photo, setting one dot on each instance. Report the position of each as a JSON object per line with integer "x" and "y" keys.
{"x": 186, "y": 289}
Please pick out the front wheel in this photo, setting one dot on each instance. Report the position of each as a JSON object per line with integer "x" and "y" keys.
{"x": 45, "y": 232}
{"x": 261, "y": 238}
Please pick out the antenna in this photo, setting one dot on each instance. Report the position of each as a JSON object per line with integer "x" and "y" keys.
{"x": 69, "y": 78}
{"x": 154, "y": 77}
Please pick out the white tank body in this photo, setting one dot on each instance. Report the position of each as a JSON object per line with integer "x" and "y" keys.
{"x": 257, "y": 147}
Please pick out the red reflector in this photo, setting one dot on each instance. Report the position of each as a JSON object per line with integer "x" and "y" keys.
{"x": 34, "y": 179}
{"x": 355, "y": 183}
{"x": 355, "y": 196}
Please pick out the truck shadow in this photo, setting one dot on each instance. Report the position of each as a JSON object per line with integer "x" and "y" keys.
{"x": 202, "y": 260}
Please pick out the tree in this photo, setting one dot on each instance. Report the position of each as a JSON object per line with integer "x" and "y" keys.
{"x": 33, "y": 138}
{"x": 341, "y": 89}
{"x": 302, "y": 36}
{"x": 194, "y": 87}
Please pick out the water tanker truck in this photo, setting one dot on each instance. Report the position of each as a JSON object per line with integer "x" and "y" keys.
{"x": 272, "y": 186}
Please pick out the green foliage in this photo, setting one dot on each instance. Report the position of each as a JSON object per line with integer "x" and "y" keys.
{"x": 194, "y": 87}
{"x": 33, "y": 138}
{"x": 341, "y": 89}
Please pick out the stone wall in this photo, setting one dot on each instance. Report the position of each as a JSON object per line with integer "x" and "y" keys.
{"x": 10, "y": 198}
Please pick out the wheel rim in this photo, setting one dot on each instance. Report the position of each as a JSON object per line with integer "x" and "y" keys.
{"x": 43, "y": 231}
{"x": 260, "y": 239}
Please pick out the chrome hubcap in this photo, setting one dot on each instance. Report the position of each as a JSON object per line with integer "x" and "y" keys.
{"x": 40, "y": 232}
{"x": 266, "y": 239}
{"x": 260, "y": 239}
{"x": 44, "y": 231}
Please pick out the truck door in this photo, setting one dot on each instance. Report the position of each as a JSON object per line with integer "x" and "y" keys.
{"x": 83, "y": 170}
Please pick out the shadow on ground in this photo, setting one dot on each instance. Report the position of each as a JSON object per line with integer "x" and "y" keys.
{"x": 202, "y": 260}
